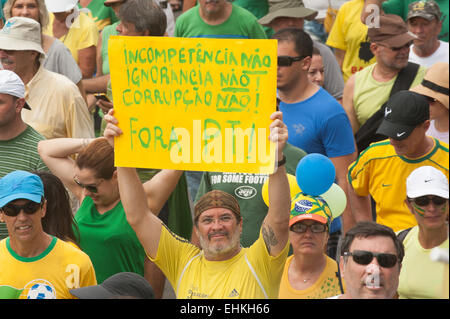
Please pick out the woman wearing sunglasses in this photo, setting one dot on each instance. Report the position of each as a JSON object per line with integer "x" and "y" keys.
{"x": 427, "y": 199}
{"x": 309, "y": 273}
{"x": 105, "y": 234}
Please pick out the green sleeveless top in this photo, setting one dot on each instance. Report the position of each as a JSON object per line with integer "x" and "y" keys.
{"x": 109, "y": 241}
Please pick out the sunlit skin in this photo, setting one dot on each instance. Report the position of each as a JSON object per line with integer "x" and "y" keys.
{"x": 308, "y": 243}
{"x": 370, "y": 281}
{"x": 416, "y": 144}
{"x": 391, "y": 59}
{"x": 286, "y": 22}
{"x": 437, "y": 110}
{"x": 214, "y": 9}
{"x": 427, "y": 35}
{"x": 219, "y": 233}
{"x": 288, "y": 76}
{"x": 24, "y": 227}
{"x": 25, "y": 8}
{"x": 316, "y": 70}
{"x": 108, "y": 190}
{"x": 17, "y": 61}
{"x": 430, "y": 216}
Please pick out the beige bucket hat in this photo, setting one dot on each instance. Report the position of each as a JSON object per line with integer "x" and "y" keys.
{"x": 21, "y": 34}
{"x": 435, "y": 83}
{"x": 287, "y": 8}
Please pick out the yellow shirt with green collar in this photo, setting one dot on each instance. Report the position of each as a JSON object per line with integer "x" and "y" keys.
{"x": 50, "y": 275}
{"x": 380, "y": 172}
{"x": 251, "y": 274}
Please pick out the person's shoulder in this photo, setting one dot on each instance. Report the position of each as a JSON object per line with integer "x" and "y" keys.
{"x": 86, "y": 20}
{"x": 70, "y": 249}
{"x": 379, "y": 150}
{"x": 188, "y": 14}
{"x": 31, "y": 132}
{"x": 243, "y": 12}
{"x": 57, "y": 81}
{"x": 328, "y": 102}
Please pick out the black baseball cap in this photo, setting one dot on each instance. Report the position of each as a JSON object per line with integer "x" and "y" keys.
{"x": 121, "y": 285}
{"x": 404, "y": 111}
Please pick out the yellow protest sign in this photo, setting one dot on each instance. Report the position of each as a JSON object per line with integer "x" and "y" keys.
{"x": 194, "y": 104}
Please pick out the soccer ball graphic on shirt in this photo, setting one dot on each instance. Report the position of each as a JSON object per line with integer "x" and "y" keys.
{"x": 41, "y": 290}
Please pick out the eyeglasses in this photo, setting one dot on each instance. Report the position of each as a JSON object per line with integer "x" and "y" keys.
{"x": 395, "y": 49}
{"x": 364, "y": 257}
{"x": 425, "y": 200}
{"x": 13, "y": 210}
{"x": 285, "y": 60}
{"x": 302, "y": 228}
{"x": 90, "y": 188}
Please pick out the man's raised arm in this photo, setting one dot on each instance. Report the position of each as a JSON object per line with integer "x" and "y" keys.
{"x": 275, "y": 228}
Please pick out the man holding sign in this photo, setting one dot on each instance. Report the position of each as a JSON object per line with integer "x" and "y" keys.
{"x": 216, "y": 19}
{"x": 252, "y": 272}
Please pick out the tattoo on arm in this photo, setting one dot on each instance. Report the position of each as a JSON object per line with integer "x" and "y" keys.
{"x": 269, "y": 237}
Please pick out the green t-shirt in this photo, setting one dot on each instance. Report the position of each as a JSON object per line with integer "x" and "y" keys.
{"x": 20, "y": 153}
{"x": 240, "y": 25}
{"x": 108, "y": 31}
{"x": 400, "y": 8}
{"x": 101, "y": 14}
{"x": 247, "y": 189}
{"x": 258, "y": 7}
{"x": 109, "y": 240}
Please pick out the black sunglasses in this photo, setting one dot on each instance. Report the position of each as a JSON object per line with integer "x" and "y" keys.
{"x": 315, "y": 228}
{"x": 285, "y": 60}
{"x": 364, "y": 257}
{"x": 425, "y": 200}
{"x": 90, "y": 188}
{"x": 407, "y": 45}
{"x": 12, "y": 210}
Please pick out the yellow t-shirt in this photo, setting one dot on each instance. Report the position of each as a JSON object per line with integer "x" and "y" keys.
{"x": 420, "y": 277}
{"x": 48, "y": 276}
{"x": 350, "y": 35}
{"x": 379, "y": 171}
{"x": 58, "y": 112}
{"x": 327, "y": 285}
{"x": 251, "y": 274}
{"x": 82, "y": 34}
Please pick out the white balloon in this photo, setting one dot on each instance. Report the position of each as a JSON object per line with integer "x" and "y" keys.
{"x": 336, "y": 200}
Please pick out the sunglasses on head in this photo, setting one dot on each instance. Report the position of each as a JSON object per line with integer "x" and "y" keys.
{"x": 302, "y": 228}
{"x": 12, "y": 210}
{"x": 90, "y": 188}
{"x": 285, "y": 60}
{"x": 364, "y": 257}
{"x": 425, "y": 200}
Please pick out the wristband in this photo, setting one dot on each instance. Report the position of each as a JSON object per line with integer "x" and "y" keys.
{"x": 282, "y": 162}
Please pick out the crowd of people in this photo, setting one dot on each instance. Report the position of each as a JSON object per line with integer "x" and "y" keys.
{"x": 364, "y": 83}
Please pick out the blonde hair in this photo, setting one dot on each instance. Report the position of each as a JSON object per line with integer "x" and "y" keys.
{"x": 43, "y": 13}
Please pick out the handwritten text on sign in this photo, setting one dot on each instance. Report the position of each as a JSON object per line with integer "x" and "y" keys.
{"x": 194, "y": 104}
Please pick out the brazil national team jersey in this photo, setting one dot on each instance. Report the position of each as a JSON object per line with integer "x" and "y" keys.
{"x": 49, "y": 275}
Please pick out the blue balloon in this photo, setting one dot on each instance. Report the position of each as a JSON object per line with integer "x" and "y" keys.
{"x": 315, "y": 174}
